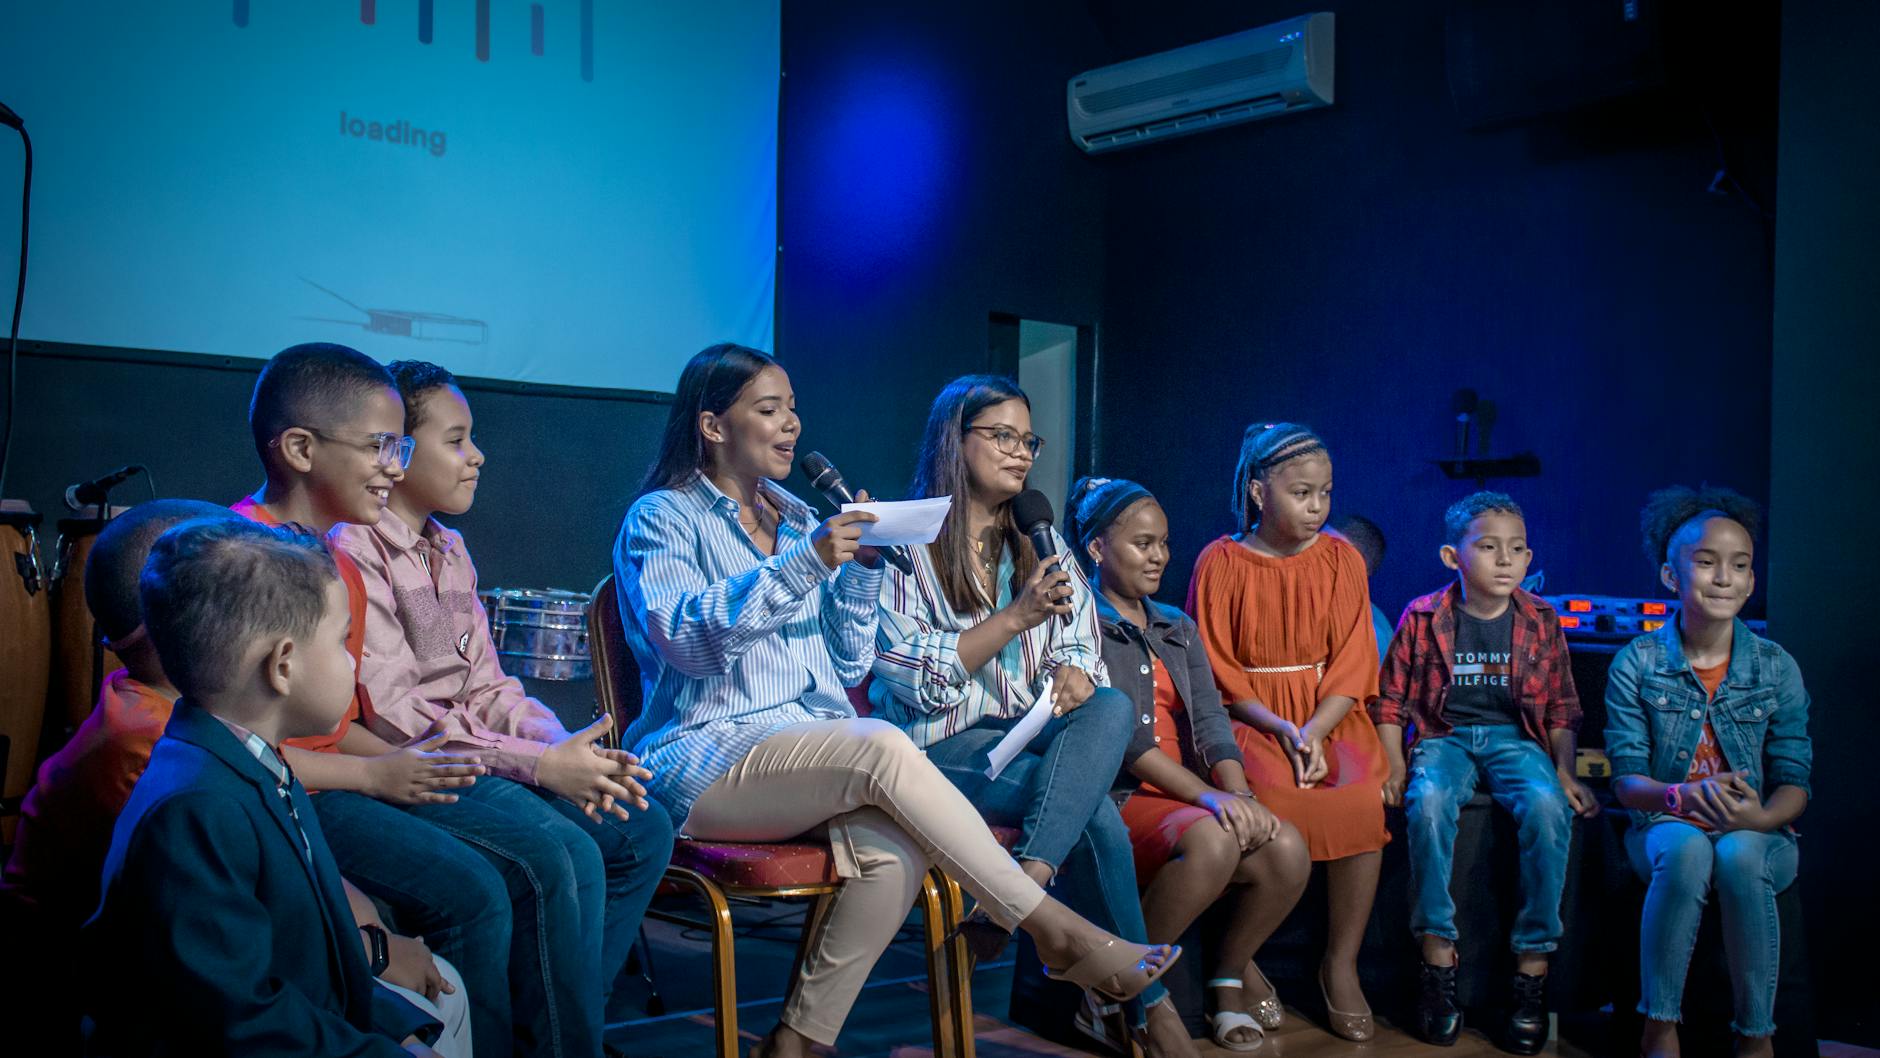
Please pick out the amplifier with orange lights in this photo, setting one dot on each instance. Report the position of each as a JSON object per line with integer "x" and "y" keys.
{"x": 1606, "y": 617}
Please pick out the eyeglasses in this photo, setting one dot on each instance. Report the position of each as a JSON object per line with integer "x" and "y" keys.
{"x": 392, "y": 449}
{"x": 1010, "y": 441}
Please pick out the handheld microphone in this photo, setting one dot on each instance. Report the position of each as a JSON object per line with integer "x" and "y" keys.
{"x": 1032, "y": 511}
{"x": 1464, "y": 404}
{"x": 826, "y": 479}
{"x": 92, "y": 493}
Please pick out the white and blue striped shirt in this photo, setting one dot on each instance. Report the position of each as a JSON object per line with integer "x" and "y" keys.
{"x": 733, "y": 644}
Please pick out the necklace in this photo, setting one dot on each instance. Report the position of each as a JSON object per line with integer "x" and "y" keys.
{"x": 758, "y": 511}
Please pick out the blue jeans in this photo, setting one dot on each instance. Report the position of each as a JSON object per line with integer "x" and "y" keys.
{"x": 1443, "y": 776}
{"x": 1058, "y": 792}
{"x": 1682, "y": 864}
{"x": 437, "y": 888}
{"x": 578, "y": 890}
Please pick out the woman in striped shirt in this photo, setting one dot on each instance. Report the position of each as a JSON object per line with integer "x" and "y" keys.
{"x": 748, "y": 620}
{"x": 970, "y": 641}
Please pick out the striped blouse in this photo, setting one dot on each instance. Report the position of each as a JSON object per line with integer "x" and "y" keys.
{"x": 920, "y": 683}
{"x": 733, "y": 644}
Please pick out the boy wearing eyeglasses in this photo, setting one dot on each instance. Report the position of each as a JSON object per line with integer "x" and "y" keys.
{"x": 329, "y": 427}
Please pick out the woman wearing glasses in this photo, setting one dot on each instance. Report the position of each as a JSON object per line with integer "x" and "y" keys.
{"x": 967, "y": 644}
{"x": 748, "y": 620}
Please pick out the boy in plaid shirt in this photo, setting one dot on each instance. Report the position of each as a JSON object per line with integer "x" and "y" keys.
{"x": 1478, "y": 673}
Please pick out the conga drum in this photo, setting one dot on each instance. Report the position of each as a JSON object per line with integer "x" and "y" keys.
{"x": 78, "y": 662}
{"x": 25, "y": 655}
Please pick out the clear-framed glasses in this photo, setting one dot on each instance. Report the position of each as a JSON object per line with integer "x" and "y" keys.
{"x": 1010, "y": 441}
{"x": 392, "y": 449}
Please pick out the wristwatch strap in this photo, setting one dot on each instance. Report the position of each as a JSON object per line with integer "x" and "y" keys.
{"x": 381, "y": 948}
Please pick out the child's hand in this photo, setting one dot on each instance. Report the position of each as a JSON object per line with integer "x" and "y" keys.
{"x": 594, "y": 780}
{"x": 1286, "y": 733}
{"x": 1248, "y": 820}
{"x": 1579, "y": 796}
{"x": 413, "y": 968}
{"x": 417, "y": 775}
{"x": 1394, "y": 782}
{"x": 1317, "y": 763}
{"x": 1719, "y": 802}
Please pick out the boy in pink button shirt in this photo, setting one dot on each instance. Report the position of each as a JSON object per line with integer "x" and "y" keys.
{"x": 555, "y": 803}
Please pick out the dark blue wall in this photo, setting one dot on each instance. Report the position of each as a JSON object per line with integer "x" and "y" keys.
{"x": 1351, "y": 268}
{"x": 925, "y": 182}
{"x": 1826, "y": 461}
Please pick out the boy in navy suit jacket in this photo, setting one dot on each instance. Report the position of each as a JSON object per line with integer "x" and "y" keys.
{"x": 221, "y": 898}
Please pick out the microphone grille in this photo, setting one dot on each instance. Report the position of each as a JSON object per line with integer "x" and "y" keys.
{"x": 1030, "y": 508}
{"x": 814, "y": 465}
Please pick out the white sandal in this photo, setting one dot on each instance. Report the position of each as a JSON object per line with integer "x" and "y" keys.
{"x": 1223, "y": 1022}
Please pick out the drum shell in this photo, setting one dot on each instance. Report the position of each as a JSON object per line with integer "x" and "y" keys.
{"x": 77, "y": 667}
{"x": 25, "y": 654}
{"x": 540, "y": 634}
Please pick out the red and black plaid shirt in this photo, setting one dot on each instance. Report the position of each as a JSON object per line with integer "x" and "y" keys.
{"x": 1415, "y": 681}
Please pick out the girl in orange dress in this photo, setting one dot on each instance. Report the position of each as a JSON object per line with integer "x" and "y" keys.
{"x": 1285, "y": 614}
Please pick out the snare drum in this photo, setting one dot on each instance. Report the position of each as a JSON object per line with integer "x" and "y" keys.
{"x": 540, "y": 634}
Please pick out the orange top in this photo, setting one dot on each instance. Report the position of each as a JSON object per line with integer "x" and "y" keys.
{"x": 66, "y": 820}
{"x": 1707, "y": 760}
{"x": 355, "y": 639}
{"x": 1289, "y": 632}
{"x": 1168, "y": 736}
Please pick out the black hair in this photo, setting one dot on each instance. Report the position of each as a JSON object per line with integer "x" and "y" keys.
{"x": 415, "y": 379}
{"x": 117, "y": 559}
{"x": 940, "y": 470}
{"x": 317, "y": 384}
{"x": 1263, "y": 449}
{"x": 1092, "y": 507}
{"x": 1669, "y": 510}
{"x": 711, "y": 382}
{"x": 1365, "y": 535}
{"x": 1467, "y": 509}
{"x": 213, "y": 586}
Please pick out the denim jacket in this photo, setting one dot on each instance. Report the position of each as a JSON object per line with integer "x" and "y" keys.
{"x": 1129, "y": 654}
{"x": 1656, "y": 708}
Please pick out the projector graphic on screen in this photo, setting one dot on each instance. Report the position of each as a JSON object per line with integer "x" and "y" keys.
{"x": 538, "y": 19}
{"x": 404, "y": 323}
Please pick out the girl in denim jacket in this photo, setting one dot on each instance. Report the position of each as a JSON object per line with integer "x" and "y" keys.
{"x": 1197, "y": 833}
{"x": 1707, "y": 728}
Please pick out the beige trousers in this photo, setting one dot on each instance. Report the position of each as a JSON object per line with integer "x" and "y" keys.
{"x": 890, "y": 815}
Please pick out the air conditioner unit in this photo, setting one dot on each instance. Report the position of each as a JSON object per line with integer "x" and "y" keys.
{"x": 1247, "y": 76}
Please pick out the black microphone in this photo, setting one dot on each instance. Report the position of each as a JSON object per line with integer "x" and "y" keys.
{"x": 1031, "y": 509}
{"x": 92, "y": 493}
{"x": 1464, "y": 403}
{"x": 826, "y": 479}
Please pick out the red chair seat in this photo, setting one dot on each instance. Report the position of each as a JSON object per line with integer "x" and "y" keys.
{"x": 774, "y": 866}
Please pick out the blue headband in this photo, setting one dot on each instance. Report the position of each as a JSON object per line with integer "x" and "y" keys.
{"x": 1101, "y": 504}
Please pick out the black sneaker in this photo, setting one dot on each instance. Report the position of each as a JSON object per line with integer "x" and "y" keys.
{"x": 1439, "y": 1019}
{"x": 1527, "y": 1019}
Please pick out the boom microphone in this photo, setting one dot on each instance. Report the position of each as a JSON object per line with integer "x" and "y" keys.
{"x": 824, "y": 478}
{"x": 1464, "y": 403}
{"x": 92, "y": 493}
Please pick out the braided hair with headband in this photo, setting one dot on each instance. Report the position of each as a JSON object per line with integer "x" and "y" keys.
{"x": 1095, "y": 504}
{"x": 1263, "y": 449}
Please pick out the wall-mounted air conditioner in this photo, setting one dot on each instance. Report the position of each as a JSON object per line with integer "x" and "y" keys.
{"x": 1247, "y": 76}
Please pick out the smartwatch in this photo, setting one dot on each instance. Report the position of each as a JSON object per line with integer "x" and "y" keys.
{"x": 1674, "y": 799}
{"x": 381, "y": 948}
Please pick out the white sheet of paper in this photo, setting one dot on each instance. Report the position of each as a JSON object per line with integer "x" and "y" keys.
{"x": 903, "y": 522}
{"x": 1023, "y": 732}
